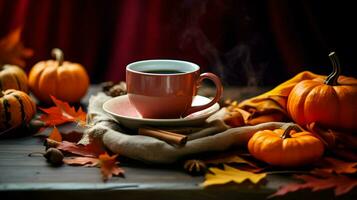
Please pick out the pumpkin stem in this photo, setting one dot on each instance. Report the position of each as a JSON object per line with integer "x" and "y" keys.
{"x": 333, "y": 77}
{"x": 287, "y": 128}
{"x": 58, "y": 55}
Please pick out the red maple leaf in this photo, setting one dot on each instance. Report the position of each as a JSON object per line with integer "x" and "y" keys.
{"x": 341, "y": 184}
{"x": 62, "y": 113}
{"x": 109, "y": 167}
{"x": 93, "y": 149}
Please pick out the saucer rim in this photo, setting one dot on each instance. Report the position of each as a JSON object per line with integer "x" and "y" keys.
{"x": 215, "y": 107}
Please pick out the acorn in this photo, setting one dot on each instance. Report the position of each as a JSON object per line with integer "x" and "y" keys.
{"x": 52, "y": 155}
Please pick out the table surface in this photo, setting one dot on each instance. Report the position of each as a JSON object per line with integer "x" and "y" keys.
{"x": 31, "y": 177}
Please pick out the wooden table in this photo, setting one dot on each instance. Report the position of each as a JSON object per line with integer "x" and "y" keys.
{"x": 31, "y": 177}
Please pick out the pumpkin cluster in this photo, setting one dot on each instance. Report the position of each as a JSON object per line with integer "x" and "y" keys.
{"x": 64, "y": 80}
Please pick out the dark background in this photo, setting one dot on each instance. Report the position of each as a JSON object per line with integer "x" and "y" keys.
{"x": 245, "y": 42}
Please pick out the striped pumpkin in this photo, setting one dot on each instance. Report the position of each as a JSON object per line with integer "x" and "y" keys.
{"x": 13, "y": 77}
{"x": 16, "y": 107}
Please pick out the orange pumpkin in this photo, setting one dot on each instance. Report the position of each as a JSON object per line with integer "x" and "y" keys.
{"x": 62, "y": 79}
{"x": 331, "y": 103}
{"x": 16, "y": 107}
{"x": 13, "y": 77}
{"x": 290, "y": 147}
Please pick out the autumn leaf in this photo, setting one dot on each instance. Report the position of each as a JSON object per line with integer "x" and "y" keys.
{"x": 341, "y": 184}
{"x": 93, "y": 149}
{"x": 332, "y": 165}
{"x": 109, "y": 167}
{"x": 55, "y": 135}
{"x": 108, "y": 164}
{"x": 68, "y": 132}
{"x": 61, "y": 113}
{"x": 83, "y": 161}
{"x": 229, "y": 158}
{"x": 230, "y": 174}
{"x": 12, "y": 50}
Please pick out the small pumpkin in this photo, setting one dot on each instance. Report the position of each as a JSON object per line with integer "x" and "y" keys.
{"x": 13, "y": 77}
{"x": 331, "y": 102}
{"x": 64, "y": 80}
{"x": 286, "y": 147}
{"x": 16, "y": 107}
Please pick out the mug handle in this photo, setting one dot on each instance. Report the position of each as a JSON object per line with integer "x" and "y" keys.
{"x": 219, "y": 90}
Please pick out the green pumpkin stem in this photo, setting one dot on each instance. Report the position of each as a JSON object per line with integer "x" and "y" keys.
{"x": 333, "y": 77}
{"x": 58, "y": 55}
{"x": 287, "y": 128}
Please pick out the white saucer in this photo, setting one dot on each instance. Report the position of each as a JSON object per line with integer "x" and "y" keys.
{"x": 127, "y": 115}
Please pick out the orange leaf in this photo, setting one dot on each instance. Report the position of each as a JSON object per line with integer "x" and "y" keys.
{"x": 332, "y": 165}
{"x": 12, "y": 51}
{"x": 83, "y": 161}
{"x": 55, "y": 135}
{"x": 341, "y": 184}
{"x": 109, "y": 167}
{"x": 61, "y": 113}
{"x": 93, "y": 149}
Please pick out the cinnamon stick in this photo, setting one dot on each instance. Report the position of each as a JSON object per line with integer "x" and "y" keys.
{"x": 169, "y": 137}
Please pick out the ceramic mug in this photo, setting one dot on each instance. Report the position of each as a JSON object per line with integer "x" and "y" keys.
{"x": 164, "y": 89}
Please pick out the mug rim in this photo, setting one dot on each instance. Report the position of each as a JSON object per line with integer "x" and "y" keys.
{"x": 141, "y": 62}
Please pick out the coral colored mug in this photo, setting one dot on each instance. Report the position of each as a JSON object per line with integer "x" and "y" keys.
{"x": 164, "y": 89}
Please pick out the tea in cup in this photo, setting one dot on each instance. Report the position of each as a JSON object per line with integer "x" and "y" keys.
{"x": 164, "y": 89}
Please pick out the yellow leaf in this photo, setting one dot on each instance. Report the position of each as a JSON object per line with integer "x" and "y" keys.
{"x": 230, "y": 174}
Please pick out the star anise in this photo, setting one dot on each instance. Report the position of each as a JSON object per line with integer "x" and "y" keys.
{"x": 195, "y": 167}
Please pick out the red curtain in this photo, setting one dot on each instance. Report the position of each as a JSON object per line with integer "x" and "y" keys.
{"x": 244, "y": 42}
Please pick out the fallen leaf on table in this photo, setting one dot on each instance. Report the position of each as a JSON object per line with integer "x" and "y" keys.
{"x": 12, "y": 51}
{"x": 61, "y": 113}
{"x": 109, "y": 167}
{"x": 67, "y": 132}
{"x": 332, "y": 165}
{"x": 230, "y": 174}
{"x": 55, "y": 135}
{"x": 83, "y": 161}
{"x": 93, "y": 149}
{"x": 229, "y": 158}
{"x": 341, "y": 184}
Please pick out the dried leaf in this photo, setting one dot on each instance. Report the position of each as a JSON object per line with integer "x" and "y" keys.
{"x": 83, "y": 161}
{"x": 55, "y": 135}
{"x": 72, "y": 136}
{"x": 230, "y": 158}
{"x": 67, "y": 131}
{"x": 109, "y": 167}
{"x": 230, "y": 174}
{"x": 332, "y": 165}
{"x": 93, "y": 149}
{"x": 61, "y": 113}
{"x": 341, "y": 184}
